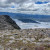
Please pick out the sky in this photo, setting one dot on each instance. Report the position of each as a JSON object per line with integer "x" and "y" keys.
{"x": 26, "y": 6}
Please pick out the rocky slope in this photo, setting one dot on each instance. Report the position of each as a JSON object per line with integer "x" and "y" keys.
{"x": 30, "y": 39}
{"x": 7, "y": 23}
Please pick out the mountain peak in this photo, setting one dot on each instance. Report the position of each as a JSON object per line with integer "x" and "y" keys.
{"x": 7, "y": 23}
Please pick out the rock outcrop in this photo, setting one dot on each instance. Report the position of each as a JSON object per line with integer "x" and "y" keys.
{"x": 7, "y": 23}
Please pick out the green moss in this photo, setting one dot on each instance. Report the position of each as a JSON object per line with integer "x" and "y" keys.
{"x": 5, "y": 36}
{"x": 18, "y": 36}
{"x": 47, "y": 41}
{"x": 48, "y": 49}
{"x": 36, "y": 41}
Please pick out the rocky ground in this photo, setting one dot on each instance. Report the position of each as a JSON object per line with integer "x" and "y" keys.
{"x": 27, "y": 39}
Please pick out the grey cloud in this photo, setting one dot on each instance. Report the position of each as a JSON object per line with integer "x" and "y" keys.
{"x": 8, "y": 2}
{"x": 20, "y": 2}
{"x": 16, "y": 1}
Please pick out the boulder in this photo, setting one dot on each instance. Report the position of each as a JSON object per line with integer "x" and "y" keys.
{"x": 7, "y": 23}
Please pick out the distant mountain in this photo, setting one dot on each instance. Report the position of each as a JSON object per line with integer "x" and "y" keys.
{"x": 42, "y": 18}
{"x": 28, "y": 21}
{"x": 7, "y": 23}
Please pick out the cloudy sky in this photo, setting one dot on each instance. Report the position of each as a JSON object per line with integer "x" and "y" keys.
{"x": 26, "y": 6}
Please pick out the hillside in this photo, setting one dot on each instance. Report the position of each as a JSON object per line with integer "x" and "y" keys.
{"x": 7, "y": 23}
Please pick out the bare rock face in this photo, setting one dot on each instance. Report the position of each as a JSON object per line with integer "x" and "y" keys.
{"x": 7, "y": 23}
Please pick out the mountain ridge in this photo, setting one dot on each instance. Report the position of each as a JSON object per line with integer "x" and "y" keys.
{"x": 7, "y": 23}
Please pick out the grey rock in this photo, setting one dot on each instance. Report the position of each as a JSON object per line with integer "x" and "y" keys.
{"x": 7, "y": 23}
